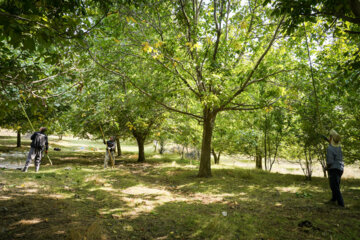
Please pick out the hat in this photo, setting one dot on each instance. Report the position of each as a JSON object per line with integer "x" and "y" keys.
{"x": 335, "y": 138}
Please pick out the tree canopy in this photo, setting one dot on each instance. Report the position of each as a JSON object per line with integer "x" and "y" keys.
{"x": 255, "y": 77}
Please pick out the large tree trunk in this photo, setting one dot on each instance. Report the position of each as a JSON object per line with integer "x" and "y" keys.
{"x": 118, "y": 147}
{"x": 141, "y": 141}
{"x": 18, "y": 141}
{"x": 205, "y": 158}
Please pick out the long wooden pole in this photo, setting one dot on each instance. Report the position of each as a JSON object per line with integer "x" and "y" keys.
{"x": 32, "y": 127}
{"x": 112, "y": 160}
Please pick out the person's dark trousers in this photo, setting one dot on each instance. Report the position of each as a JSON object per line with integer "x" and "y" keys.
{"x": 334, "y": 179}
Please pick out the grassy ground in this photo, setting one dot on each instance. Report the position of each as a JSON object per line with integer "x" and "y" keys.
{"x": 163, "y": 199}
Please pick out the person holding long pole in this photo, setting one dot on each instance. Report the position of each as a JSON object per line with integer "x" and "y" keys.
{"x": 39, "y": 144}
{"x": 110, "y": 149}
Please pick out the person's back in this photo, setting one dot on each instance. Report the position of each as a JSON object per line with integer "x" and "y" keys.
{"x": 38, "y": 144}
{"x": 334, "y": 158}
{"x": 39, "y": 141}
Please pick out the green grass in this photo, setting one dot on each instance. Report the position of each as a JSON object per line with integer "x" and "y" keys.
{"x": 163, "y": 199}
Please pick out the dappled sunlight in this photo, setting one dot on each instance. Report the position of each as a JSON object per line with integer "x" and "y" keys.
{"x": 209, "y": 198}
{"x": 56, "y": 196}
{"x": 143, "y": 199}
{"x": 140, "y": 199}
{"x": 191, "y": 166}
{"x": 104, "y": 211}
{"x": 96, "y": 178}
{"x": 163, "y": 199}
{"x": 28, "y": 221}
{"x": 292, "y": 189}
{"x": 108, "y": 189}
{"x": 5, "y": 198}
{"x": 29, "y": 184}
{"x": 138, "y": 190}
{"x": 30, "y": 190}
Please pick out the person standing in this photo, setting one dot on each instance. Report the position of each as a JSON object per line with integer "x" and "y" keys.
{"x": 335, "y": 167}
{"x": 110, "y": 149}
{"x": 39, "y": 143}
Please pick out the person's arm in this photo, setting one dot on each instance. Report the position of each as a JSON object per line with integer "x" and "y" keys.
{"x": 325, "y": 138}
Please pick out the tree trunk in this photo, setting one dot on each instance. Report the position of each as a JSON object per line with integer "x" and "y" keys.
{"x": 216, "y": 157}
{"x": 118, "y": 147}
{"x": 18, "y": 141}
{"x": 140, "y": 141}
{"x": 258, "y": 159}
{"x": 205, "y": 157}
{"x": 155, "y": 145}
{"x": 162, "y": 146}
{"x": 324, "y": 172}
{"x": 60, "y": 137}
{"x": 265, "y": 143}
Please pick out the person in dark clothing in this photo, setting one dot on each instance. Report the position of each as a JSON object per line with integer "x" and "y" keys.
{"x": 335, "y": 167}
{"x": 110, "y": 149}
{"x": 39, "y": 144}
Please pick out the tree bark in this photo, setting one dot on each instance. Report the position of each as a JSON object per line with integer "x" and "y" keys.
{"x": 162, "y": 146}
{"x": 140, "y": 141}
{"x": 18, "y": 141}
{"x": 216, "y": 157}
{"x": 205, "y": 157}
{"x": 265, "y": 142}
{"x": 182, "y": 152}
{"x": 118, "y": 147}
{"x": 258, "y": 159}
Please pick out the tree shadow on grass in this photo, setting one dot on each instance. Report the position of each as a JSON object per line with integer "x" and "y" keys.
{"x": 40, "y": 217}
{"x": 172, "y": 204}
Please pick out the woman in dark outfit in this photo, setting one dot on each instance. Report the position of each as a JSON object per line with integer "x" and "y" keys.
{"x": 335, "y": 167}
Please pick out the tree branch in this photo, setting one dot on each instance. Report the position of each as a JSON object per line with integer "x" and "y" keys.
{"x": 125, "y": 77}
{"x": 250, "y": 107}
{"x": 244, "y": 85}
{"x": 267, "y": 76}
